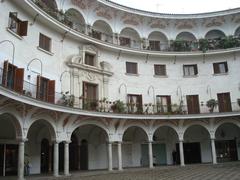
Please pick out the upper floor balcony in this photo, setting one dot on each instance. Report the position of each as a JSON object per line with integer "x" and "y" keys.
{"x": 129, "y": 37}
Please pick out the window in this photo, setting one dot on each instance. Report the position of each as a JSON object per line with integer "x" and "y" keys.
{"x": 16, "y": 25}
{"x": 134, "y": 103}
{"x": 190, "y": 70}
{"x": 219, "y": 68}
{"x": 154, "y": 45}
{"x": 96, "y": 34}
{"x": 131, "y": 68}
{"x": 160, "y": 69}
{"x": 124, "y": 41}
{"x": 89, "y": 59}
{"x": 45, "y": 89}
{"x": 90, "y": 96}
{"x": 45, "y": 42}
{"x": 163, "y": 104}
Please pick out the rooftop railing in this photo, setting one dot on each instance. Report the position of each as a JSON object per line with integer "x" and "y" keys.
{"x": 178, "y": 45}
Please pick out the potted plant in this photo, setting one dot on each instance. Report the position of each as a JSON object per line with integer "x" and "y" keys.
{"x": 118, "y": 106}
{"x": 211, "y": 104}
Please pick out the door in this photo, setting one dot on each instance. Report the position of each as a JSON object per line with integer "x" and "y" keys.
{"x": 73, "y": 153}
{"x": 164, "y": 104}
{"x": 144, "y": 161}
{"x": 159, "y": 154}
{"x": 11, "y": 162}
{"x": 224, "y": 102}
{"x": 193, "y": 104}
{"x": 134, "y": 103}
{"x": 44, "y": 156}
{"x": 192, "y": 153}
{"x": 226, "y": 150}
{"x": 90, "y": 96}
{"x": 84, "y": 155}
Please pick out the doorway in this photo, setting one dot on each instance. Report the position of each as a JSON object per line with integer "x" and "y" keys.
{"x": 44, "y": 156}
{"x": 84, "y": 155}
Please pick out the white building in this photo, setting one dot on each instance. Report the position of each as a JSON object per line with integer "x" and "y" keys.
{"x": 90, "y": 84}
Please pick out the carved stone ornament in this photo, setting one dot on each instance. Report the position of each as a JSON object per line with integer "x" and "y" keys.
{"x": 236, "y": 18}
{"x": 158, "y": 23}
{"x": 104, "y": 12}
{"x": 131, "y": 19}
{"x": 185, "y": 24}
{"x": 82, "y": 4}
{"x": 218, "y": 21}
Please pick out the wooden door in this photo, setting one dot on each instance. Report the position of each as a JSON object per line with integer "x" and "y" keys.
{"x": 51, "y": 91}
{"x": 18, "y": 80}
{"x": 193, "y": 104}
{"x": 224, "y": 102}
{"x": 90, "y": 96}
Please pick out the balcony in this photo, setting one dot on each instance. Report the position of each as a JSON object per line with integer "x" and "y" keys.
{"x": 178, "y": 45}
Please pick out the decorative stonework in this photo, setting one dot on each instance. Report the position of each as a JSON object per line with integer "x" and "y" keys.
{"x": 131, "y": 19}
{"x": 82, "y": 4}
{"x": 158, "y": 23}
{"x": 236, "y": 18}
{"x": 104, "y": 12}
{"x": 185, "y": 24}
{"x": 211, "y": 22}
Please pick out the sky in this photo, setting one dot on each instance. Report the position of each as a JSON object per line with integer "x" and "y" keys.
{"x": 180, "y": 6}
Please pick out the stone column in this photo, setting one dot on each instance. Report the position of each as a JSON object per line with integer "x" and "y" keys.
{"x": 110, "y": 156}
{"x": 21, "y": 160}
{"x": 56, "y": 159}
{"x": 150, "y": 154}
{"x": 66, "y": 158}
{"x": 214, "y": 157}
{"x": 119, "y": 149}
{"x": 181, "y": 153}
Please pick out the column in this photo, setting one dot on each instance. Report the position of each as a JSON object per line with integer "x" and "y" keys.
{"x": 56, "y": 159}
{"x": 119, "y": 149}
{"x": 181, "y": 153}
{"x": 214, "y": 158}
{"x": 110, "y": 156}
{"x": 150, "y": 154}
{"x": 21, "y": 160}
{"x": 66, "y": 158}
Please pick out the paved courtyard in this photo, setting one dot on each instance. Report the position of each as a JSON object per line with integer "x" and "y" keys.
{"x": 226, "y": 171}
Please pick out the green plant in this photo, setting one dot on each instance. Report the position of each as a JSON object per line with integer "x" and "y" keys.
{"x": 211, "y": 104}
{"x": 118, "y": 106}
{"x": 203, "y": 45}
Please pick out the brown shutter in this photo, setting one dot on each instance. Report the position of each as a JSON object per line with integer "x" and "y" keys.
{"x": 38, "y": 86}
{"x": 226, "y": 67}
{"x": 216, "y": 68}
{"x": 169, "y": 108}
{"x": 5, "y": 72}
{"x": 18, "y": 80}
{"x": 23, "y": 28}
{"x": 51, "y": 91}
{"x": 195, "y": 70}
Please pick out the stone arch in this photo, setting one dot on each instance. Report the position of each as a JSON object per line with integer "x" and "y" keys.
{"x": 186, "y": 36}
{"x": 131, "y": 34}
{"x": 237, "y": 31}
{"x": 75, "y": 19}
{"x": 137, "y": 127}
{"x": 50, "y": 4}
{"x": 155, "y": 36}
{"x": 140, "y": 126}
{"x": 214, "y": 34}
{"x": 196, "y": 125}
{"x": 166, "y": 125}
{"x": 230, "y": 121}
{"x": 104, "y": 29}
{"x": 12, "y": 120}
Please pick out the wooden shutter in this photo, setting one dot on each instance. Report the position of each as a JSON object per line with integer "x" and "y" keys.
{"x": 169, "y": 108}
{"x": 23, "y": 28}
{"x": 216, "y": 68}
{"x": 38, "y": 86}
{"x": 5, "y": 73}
{"x": 18, "y": 80}
{"x": 226, "y": 67}
{"x": 195, "y": 69}
{"x": 51, "y": 91}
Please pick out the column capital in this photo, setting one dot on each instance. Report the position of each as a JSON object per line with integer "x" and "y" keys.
{"x": 67, "y": 142}
{"x": 22, "y": 140}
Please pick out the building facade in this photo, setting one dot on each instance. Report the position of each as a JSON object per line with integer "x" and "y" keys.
{"x": 90, "y": 84}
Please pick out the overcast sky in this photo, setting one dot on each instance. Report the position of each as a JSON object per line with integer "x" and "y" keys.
{"x": 180, "y": 6}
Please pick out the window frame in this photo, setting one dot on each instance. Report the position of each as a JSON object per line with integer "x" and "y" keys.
{"x": 188, "y": 66}
{"x": 16, "y": 25}
{"x": 87, "y": 54}
{"x": 217, "y": 69}
{"x": 157, "y": 72}
{"x": 131, "y": 68}
{"x": 42, "y": 42}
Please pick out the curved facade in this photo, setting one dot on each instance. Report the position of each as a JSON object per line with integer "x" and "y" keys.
{"x": 91, "y": 85}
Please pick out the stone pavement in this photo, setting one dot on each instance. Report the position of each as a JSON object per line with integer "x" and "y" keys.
{"x": 226, "y": 171}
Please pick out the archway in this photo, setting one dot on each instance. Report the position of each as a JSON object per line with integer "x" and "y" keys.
{"x": 129, "y": 37}
{"x": 237, "y": 32}
{"x": 165, "y": 139}
{"x": 89, "y": 144}
{"x": 39, "y": 149}
{"x": 157, "y": 41}
{"x": 102, "y": 31}
{"x": 8, "y": 145}
{"x": 134, "y": 147}
{"x": 227, "y": 142}
{"x": 197, "y": 147}
{"x": 214, "y": 34}
{"x": 75, "y": 20}
{"x": 188, "y": 40}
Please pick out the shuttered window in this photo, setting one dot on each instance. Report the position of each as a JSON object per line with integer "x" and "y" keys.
{"x": 190, "y": 70}
{"x": 131, "y": 68}
{"x": 160, "y": 69}
{"x": 124, "y": 41}
{"x": 16, "y": 25}
{"x": 220, "y": 67}
{"x": 45, "y": 42}
{"x": 154, "y": 45}
{"x": 89, "y": 59}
